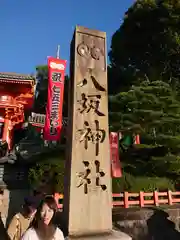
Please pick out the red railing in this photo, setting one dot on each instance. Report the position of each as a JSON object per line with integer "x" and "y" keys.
{"x": 141, "y": 199}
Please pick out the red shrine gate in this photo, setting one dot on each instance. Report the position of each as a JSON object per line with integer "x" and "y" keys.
{"x": 16, "y": 99}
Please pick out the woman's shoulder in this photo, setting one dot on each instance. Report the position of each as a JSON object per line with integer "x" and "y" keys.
{"x": 59, "y": 234}
{"x": 31, "y": 230}
{"x": 29, "y": 234}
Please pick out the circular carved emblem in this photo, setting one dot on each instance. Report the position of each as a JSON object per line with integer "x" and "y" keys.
{"x": 96, "y": 53}
{"x": 83, "y": 50}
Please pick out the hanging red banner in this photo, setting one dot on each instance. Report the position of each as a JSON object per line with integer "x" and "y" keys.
{"x": 114, "y": 155}
{"x": 53, "y": 122}
{"x": 137, "y": 139}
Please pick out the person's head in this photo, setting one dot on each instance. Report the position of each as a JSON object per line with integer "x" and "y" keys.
{"x": 46, "y": 211}
{"x": 29, "y": 207}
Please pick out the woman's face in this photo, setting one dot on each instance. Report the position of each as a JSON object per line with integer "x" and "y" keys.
{"x": 46, "y": 214}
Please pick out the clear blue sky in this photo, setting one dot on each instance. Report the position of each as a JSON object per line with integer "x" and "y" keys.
{"x": 31, "y": 30}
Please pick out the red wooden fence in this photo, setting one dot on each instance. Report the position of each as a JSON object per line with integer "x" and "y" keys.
{"x": 141, "y": 199}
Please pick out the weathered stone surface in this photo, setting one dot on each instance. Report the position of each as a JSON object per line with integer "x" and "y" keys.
{"x": 145, "y": 223}
{"x": 88, "y": 193}
{"x": 114, "y": 235}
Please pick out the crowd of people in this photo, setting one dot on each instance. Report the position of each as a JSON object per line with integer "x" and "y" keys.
{"x": 36, "y": 221}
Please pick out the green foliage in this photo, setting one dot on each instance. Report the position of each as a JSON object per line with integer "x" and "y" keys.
{"x": 42, "y": 76}
{"x": 53, "y": 169}
{"x": 147, "y": 44}
{"x": 41, "y": 89}
{"x": 145, "y": 72}
{"x": 135, "y": 184}
{"x": 152, "y": 110}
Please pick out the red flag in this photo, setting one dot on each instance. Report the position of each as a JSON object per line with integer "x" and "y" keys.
{"x": 114, "y": 155}
{"x": 53, "y": 123}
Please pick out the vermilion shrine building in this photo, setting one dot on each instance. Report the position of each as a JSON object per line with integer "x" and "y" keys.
{"x": 16, "y": 99}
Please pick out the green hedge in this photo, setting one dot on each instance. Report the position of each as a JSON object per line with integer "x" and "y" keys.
{"x": 53, "y": 168}
{"x": 136, "y": 184}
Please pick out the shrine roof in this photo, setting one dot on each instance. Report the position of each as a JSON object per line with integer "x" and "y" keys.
{"x": 16, "y": 77}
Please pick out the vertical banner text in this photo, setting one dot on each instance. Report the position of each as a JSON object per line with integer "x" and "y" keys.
{"x": 53, "y": 123}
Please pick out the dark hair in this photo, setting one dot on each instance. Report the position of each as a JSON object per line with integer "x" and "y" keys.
{"x": 36, "y": 192}
{"x": 29, "y": 205}
{"x": 27, "y": 210}
{"x": 51, "y": 202}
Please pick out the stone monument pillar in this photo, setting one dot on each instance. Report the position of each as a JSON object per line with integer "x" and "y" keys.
{"x": 88, "y": 194}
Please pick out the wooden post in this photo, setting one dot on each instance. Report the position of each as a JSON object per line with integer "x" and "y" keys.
{"x": 126, "y": 199}
{"x": 141, "y": 198}
{"x": 156, "y": 198}
{"x": 170, "y": 202}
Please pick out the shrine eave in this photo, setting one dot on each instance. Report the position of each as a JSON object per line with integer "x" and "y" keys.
{"x": 17, "y": 78}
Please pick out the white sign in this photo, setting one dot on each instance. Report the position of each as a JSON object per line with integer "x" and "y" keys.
{"x": 58, "y": 66}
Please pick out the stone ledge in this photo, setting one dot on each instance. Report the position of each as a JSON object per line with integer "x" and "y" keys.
{"x": 111, "y": 236}
{"x": 148, "y": 223}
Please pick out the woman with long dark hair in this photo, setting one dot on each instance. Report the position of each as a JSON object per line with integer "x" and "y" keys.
{"x": 43, "y": 226}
